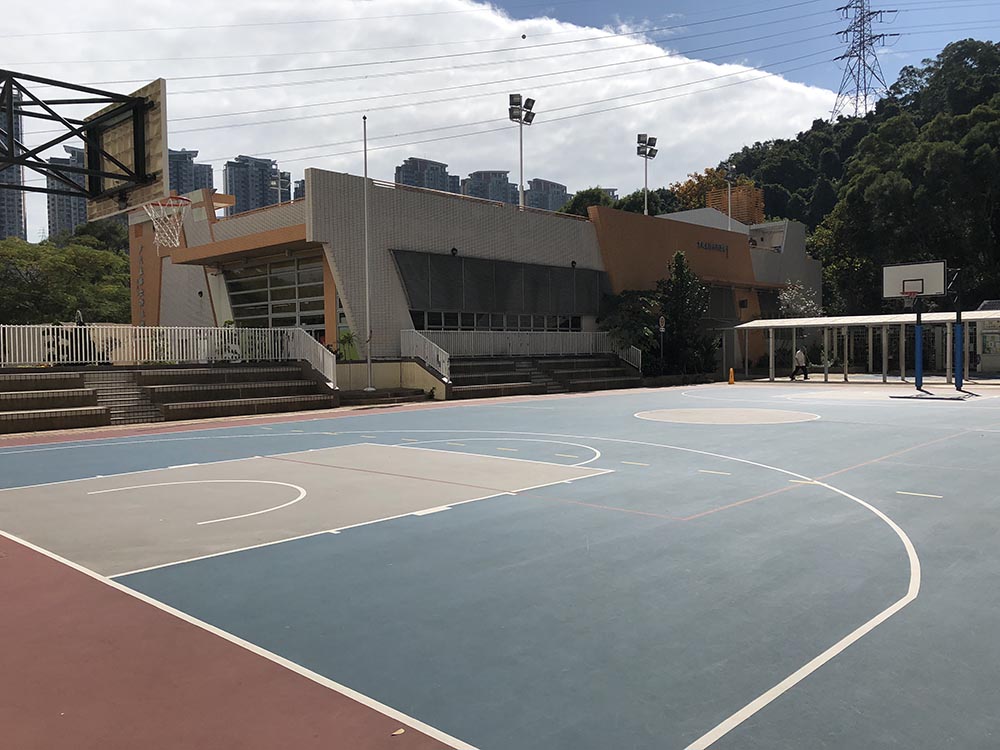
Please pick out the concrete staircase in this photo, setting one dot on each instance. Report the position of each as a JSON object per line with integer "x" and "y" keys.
{"x": 125, "y": 401}
{"x": 383, "y": 397}
{"x": 488, "y": 377}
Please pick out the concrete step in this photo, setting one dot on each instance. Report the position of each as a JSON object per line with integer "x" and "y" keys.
{"x": 604, "y": 384}
{"x": 47, "y": 399}
{"x": 382, "y": 396}
{"x": 214, "y": 391}
{"x": 494, "y": 390}
{"x": 190, "y": 375}
{"x": 233, "y": 407}
{"x": 30, "y": 420}
{"x": 31, "y": 381}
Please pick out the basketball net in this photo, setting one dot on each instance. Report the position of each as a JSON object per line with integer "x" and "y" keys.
{"x": 167, "y": 216}
{"x": 909, "y": 299}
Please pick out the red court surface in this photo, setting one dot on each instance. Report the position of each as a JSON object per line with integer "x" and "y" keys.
{"x": 87, "y": 666}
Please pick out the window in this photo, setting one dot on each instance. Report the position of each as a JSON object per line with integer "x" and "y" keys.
{"x": 280, "y": 294}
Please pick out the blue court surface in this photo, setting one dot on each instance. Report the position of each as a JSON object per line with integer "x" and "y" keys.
{"x": 752, "y": 567}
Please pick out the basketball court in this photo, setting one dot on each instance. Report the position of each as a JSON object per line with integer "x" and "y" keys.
{"x": 723, "y": 566}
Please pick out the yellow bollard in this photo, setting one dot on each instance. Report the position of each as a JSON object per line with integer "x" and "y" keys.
{"x": 732, "y": 376}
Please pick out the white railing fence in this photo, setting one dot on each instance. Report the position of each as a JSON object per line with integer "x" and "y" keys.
{"x": 48, "y": 345}
{"x": 414, "y": 344}
{"x": 530, "y": 344}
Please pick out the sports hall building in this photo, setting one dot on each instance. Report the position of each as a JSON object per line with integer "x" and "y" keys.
{"x": 443, "y": 262}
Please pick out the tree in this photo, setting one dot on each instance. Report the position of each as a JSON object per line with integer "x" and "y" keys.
{"x": 632, "y": 319}
{"x": 684, "y": 303}
{"x": 105, "y": 234}
{"x": 661, "y": 201}
{"x": 693, "y": 191}
{"x": 578, "y": 204}
{"x": 46, "y": 284}
{"x": 797, "y": 301}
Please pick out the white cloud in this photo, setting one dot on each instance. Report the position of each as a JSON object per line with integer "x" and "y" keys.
{"x": 695, "y": 130}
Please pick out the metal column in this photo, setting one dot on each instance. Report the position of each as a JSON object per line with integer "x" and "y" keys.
{"x": 746, "y": 353}
{"x": 826, "y": 355}
{"x": 949, "y": 356}
{"x": 770, "y": 353}
{"x": 871, "y": 346}
{"x": 902, "y": 352}
{"x": 847, "y": 349}
{"x": 885, "y": 354}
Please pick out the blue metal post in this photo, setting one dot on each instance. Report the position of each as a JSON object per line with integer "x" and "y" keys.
{"x": 918, "y": 353}
{"x": 959, "y": 356}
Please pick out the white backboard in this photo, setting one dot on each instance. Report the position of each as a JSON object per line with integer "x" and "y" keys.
{"x": 926, "y": 279}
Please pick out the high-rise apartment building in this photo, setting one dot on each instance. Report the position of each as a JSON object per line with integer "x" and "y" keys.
{"x": 545, "y": 194}
{"x": 66, "y": 212}
{"x": 427, "y": 174}
{"x": 186, "y": 175}
{"x": 255, "y": 183}
{"x": 300, "y": 190}
{"x": 11, "y": 200}
{"x": 491, "y": 185}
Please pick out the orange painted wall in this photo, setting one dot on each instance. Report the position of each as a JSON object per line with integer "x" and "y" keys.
{"x": 637, "y": 250}
{"x": 145, "y": 265}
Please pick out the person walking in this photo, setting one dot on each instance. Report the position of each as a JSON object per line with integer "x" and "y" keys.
{"x": 800, "y": 365}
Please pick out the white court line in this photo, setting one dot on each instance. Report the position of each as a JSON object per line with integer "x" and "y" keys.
{"x": 803, "y": 481}
{"x": 709, "y": 471}
{"x": 181, "y": 466}
{"x": 458, "y": 444}
{"x": 337, "y": 687}
{"x": 920, "y": 494}
{"x": 431, "y": 510}
{"x": 597, "y": 453}
{"x": 566, "y": 455}
{"x": 706, "y": 740}
{"x": 634, "y": 463}
{"x": 510, "y": 450}
{"x": 499, "y": 493}
{"x": 302, "y": 494}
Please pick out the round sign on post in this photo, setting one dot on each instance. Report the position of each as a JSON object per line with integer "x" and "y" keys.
{"x": 663, "y": 324}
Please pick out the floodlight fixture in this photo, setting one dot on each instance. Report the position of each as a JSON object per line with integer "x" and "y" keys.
{"x": 521, "y": 111}
{"x": 645, "y": 150}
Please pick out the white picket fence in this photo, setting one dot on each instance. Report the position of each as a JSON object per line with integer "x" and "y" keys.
{"x": 528, "y": 344}
{"x": 52, "y": 345}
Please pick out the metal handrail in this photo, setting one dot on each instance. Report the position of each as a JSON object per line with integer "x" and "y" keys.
{"x": 414, "y": 344}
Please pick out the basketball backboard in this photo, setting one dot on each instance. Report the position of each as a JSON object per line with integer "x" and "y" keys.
{"x": 928, "y": 279}
{"x": 113, "y": 145}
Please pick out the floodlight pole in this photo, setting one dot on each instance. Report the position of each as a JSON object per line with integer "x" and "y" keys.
{"x": 520, "y": 133}
{"x": 645, "y": 186}
{"x": 368, "y": 291}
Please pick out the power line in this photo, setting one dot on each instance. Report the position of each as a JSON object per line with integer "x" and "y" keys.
{"x": 479, "y": 84}
{"x": 476, "y": 53}
{"x": 205, "y": 27}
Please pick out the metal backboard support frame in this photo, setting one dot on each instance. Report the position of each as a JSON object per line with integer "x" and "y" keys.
{"x": 912, "y": 282}
{"x": 124, "y": 141}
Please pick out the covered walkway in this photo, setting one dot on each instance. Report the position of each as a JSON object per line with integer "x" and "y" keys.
{"x": 850, "y": 344}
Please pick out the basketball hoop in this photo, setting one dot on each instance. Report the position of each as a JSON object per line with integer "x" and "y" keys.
{"x": 909, "y": 299}
{"x": 167, "y": 216}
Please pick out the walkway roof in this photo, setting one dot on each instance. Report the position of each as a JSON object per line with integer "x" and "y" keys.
{"x": 868, "y": 320}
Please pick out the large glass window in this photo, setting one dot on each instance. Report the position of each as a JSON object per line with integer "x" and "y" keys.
{"x": 279, "y": 294}
{"x": 434, "y": 320}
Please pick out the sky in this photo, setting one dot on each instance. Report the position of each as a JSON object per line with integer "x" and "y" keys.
{"x": 706, "y": 77}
